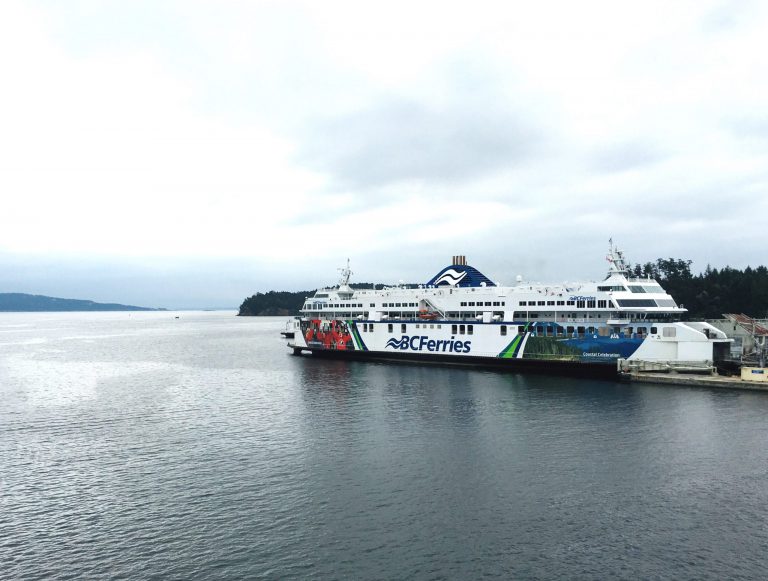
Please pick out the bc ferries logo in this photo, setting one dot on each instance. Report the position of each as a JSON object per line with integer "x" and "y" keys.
{"x": 451, "y": 277}
{"x": 423, "y": 343}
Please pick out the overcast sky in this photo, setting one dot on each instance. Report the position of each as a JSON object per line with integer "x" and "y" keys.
{"x": 189, "y": 154}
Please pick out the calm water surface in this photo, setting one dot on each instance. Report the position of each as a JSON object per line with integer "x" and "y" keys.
{"x": 145, "y": 446}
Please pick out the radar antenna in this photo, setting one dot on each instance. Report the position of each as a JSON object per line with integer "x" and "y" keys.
{"x": 345, "y": 274}
{"x": 616, "y": 260}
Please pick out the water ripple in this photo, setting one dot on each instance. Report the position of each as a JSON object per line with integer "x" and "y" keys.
{"x": 152, "y": 447}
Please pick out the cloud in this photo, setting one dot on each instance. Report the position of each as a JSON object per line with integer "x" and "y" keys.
{"x": 626, "y": 156}
{"x": 287, "y": 136}
{"x": 404, "y": 140}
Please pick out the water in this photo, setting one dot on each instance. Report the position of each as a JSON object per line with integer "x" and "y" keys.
{"x": 144, "y": 446}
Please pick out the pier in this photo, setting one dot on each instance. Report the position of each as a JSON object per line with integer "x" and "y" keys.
{"x": 690, "y": 380}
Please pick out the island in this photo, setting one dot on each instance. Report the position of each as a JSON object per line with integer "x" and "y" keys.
{"x": 21, "y": 302}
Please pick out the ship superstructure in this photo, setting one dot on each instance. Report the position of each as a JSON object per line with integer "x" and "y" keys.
{"x": 460, "y": 315}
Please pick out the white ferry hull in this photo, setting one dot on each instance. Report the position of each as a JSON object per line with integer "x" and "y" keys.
{"x": 511, "y": 345}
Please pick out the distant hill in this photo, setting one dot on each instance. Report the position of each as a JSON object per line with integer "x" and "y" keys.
{"x": 20, "y": 302}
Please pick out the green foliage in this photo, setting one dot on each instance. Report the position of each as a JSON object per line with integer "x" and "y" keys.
{"x": 709, "y": 294}
{"x": 273, "y": 303}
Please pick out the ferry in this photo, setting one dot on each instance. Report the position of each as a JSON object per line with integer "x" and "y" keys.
{"x": 460, "y": 316}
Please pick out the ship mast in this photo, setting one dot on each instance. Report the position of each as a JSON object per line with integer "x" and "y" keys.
{"x": 616, "y": 260}
{"x": 344, "y": 280}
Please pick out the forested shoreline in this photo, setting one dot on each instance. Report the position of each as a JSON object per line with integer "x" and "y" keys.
{"x": 706, "y": 295}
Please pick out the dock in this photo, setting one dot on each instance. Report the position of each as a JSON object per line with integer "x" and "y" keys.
{"x": 714, "y": 381}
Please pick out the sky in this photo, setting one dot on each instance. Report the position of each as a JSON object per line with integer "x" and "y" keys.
{"x": 187, "y": 154}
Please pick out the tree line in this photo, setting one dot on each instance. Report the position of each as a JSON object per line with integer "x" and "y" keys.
{"x": 711, "y": 293}
{"x": 281, "y": 303}
{"x": 706, "y": 295}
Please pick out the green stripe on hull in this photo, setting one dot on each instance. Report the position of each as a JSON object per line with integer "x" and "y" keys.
{"x": 359, "y": 345}
{"x": 511, "y": 351}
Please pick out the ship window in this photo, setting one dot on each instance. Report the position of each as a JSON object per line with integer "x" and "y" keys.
{"x": 665, "y": 303}
{"x": 570, "y": 303}
{"x": 470, "y": 329}
{"x": 523, "y": 303}
{"x": 487, "y": 303}
{"x": 591, "y": 304}
{"x": 431, "y": 326}
{"x": 373, "y": 304}
{"x": 601, "y": 304}
{"x": 550, "y": 331}
{"x": 453, "y": 329}
{"x": 560, "y": 303}
{"x": 642, "y": 331}
{"x": 542, "y": 303}
{"x": 551, "y": 303}
{"x": 417, "y": 325}
{"x": 636, "y": 289}
{"x": 471, "y": 303}
{"x": 398, "y": 304}
{"x": 654, "y": 331}
{"x": 533, "y": 316}
{"x": 402, "y": 328}
{"x": 636, "y": 303}
{"x": 439, "y": 327}
{"x": 462, "y": 329}
{"x": 503, "y": 303}
{"x": 570, "y": 330}
{"x": 495, "y": 303}
{"x": 464, "y": 304}
{"x": 560, "y": 331}
{"x": 580, "y": 304}
{"x": 389, "y": 327}
{"x": 503, "y": 329}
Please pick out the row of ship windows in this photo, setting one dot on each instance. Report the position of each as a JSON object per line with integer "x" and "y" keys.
{"x": 568, "y": 331}
{"x": 599, "y": 304}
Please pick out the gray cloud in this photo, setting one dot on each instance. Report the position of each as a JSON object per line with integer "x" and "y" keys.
{"x": 749, "y": 126}
{"x": 726, "y": 15}
{"x": 626, "y": 156}
{"x": 402, "y": 140}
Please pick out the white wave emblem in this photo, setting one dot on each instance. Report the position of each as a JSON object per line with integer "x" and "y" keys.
{"x": 451, "y": 277}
